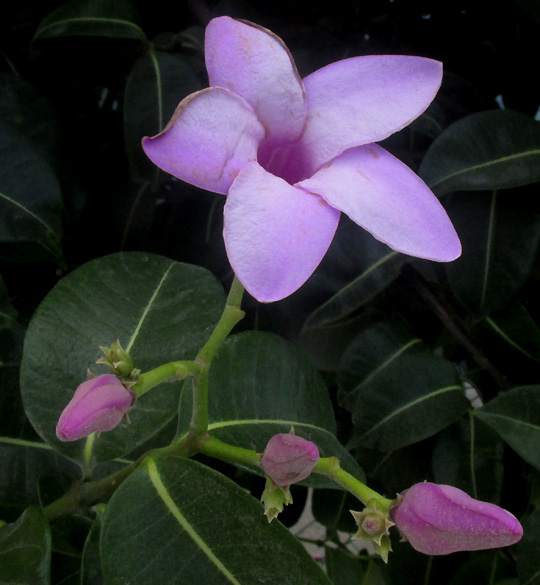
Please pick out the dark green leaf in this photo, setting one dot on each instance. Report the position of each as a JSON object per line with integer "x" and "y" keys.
{"x": 101, "y": 18}
{"x": 159, "y": 309}
{"x": 468, "y": 455}
{"x": 331, "y": 508}
{"x": 515, "y": 326}
{"x": 396, "y": 389}
{"x": 499, "y": 241}
{"x": 30, "y": 113}
{"x": 487, "y": 150}
{"x": 376, "y": 267}
{"x": 30, "y": 200}
{"x": 529, "y": 551}
{"x": 25, "y": 550}
{"x": 343, "y": 568}
{"x": 515, "y": 417}
{"x": 261, "y": 385}
{"x": 91, "y": 561}
{"x": 32, "y": 472}
{"x": 156, "y": 85}
{"x": 176, "y": 521}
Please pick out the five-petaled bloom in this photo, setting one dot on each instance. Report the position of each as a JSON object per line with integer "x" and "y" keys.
{"x": 292, "y": 154}
{"x": 288, "y": 459}
{"x": 441, "y": 519}
{"x": 98, "y": 405}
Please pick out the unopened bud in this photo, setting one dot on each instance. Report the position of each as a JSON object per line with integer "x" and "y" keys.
{"x": 441, "y": 519}
{"x": 98, "y": 404}
{"x": 288, "y": 459}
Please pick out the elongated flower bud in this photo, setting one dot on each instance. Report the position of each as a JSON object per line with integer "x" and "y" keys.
{"x": 289, "y": 459}
{"x": 441, "y": 519}
{"x": 98, "y": 404}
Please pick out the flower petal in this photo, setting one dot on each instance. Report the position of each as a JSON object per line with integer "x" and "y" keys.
{"x": 364, "y": 99}
{"x": 211, "y": 137}
{"x": 275, "y": 234}
{"x": 255, "y": 63}
{"x": 382, "y": 195}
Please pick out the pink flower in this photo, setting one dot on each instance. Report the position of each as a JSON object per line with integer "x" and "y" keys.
{"x": 98, "y": 404}
{"x": 441, "y": 519}
{"x": 292, "y": 154}
{"x": 288, "y": 459}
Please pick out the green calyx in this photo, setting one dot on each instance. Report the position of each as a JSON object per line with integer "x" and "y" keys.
{"x": 274, "y": 498}
{"x": 119, "y": 361}
{"x": 374, "y": 525}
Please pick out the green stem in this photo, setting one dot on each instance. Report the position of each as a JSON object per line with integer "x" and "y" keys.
{"x": 82, "y": 495}
{"x": 231, "y": 315}
{"x": 171, "y": 371}
{"x": 330, "y": 467}
{"x": 218, "y": 449}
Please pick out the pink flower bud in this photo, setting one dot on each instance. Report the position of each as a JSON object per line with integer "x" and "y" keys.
{"x": 288, "y": 459}
{"x": 441, "y": 519}
{"x": 97, "y": 405}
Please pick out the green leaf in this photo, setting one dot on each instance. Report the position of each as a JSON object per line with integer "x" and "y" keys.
{"x": 396, "y": 389}
{"x": 101, "y": 18}
{"x": 30, "y": 113}
{"x": 176, "y": 521}
{"x": 25, "y": 550}
{"x": 261, "y": 385}
{"x": 487, "y": 150}
{"x": 515, "y": 417}
{"x": 156, "y": 85}
{"x": 8, "y": 313}
{"x": 500, "y": 241}
{"x": 32, "y": 472}
{"x": 517, "y": 329}
{"x": 356, "y": 269}
{"x": 529, "y": 551}
{"x": 91, "y": 561}
{"x": 468, "y": 455}
{"x": 159, "y": 309}
{"x": 30, "y": 200}
{"x": 343, "y": 568}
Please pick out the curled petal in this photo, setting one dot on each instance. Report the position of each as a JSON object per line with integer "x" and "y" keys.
{"x": 382, "y": 195}
{"x": 364, "y": 99}
{"x": 211, "y": 137}
{"x": 275, "y": 234}
{"x": 254, "y": 63}
{"x": 442, "y": 519}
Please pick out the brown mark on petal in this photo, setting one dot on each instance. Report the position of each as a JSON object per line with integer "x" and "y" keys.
{"x": 373, "y": 153}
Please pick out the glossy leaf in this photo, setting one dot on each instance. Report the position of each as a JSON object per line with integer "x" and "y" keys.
{"x": 356, "y": 268}
{"x": 25, "y": 550}
{"x": 468, "y": 455}
{"x": 156, "y": 85}
{"x": 343, "y": 568}
{"x": 159, "y": 309}
{"x": 515, "y": 417}
{"x": 101, "y": 18}
{"x": 261, "y": 385}
{"x": 29, "y": 112}
{"x": 176, "y": 521}
{"x": 30, "y": 199}
{"x": 91, "y": 561}
{"x": 487, "y": 150}
{"x": 517, "y": 329}
{"x": 500, "y": 241}
{"x": 527, "y": 562}
{"x": 397, "y": 390}
{"x": 32, "y": 473}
